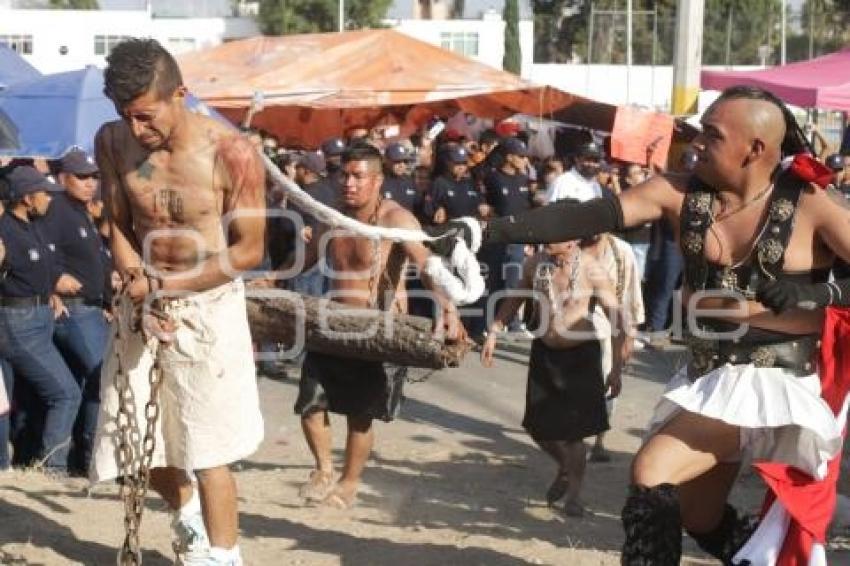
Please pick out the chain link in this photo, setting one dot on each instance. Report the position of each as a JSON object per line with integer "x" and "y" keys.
{"x": 134, "y": 468}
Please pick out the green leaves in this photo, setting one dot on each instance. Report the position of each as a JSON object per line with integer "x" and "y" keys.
{"x": 512, "y": 60}
{"x": 284, "y": 17}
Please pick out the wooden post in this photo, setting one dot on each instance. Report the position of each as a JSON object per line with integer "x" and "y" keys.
{"x": 688, "y": 59}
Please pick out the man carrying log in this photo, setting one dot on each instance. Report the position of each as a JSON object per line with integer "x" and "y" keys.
{"x": 175, "y": 184}
{"x": 759, "y": 242}
{"x": 365, "y": 273}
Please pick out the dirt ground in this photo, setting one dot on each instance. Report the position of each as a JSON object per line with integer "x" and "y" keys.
{"x": 454, "y": 480}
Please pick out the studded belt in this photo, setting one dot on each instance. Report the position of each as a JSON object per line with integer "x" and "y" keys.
{"x": 795, "y": 354}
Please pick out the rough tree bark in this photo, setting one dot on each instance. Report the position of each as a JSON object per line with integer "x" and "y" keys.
{"x": 333, "y": 328}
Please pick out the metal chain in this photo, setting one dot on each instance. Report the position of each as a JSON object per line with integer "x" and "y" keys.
{"x": 134, "y": 468}
{"x": 374, "y": 301}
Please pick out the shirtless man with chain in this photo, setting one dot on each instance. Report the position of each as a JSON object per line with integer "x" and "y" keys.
{"x": 759, "y": 242}
{"x": 565, "y": 397}
{"x": 175, "y": 184}
{"x": 369, "y": 274}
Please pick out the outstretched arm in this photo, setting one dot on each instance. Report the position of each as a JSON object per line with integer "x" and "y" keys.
{"x": 563, "y": 221}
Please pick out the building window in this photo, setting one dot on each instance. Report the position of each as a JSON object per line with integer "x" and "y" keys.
{"x": 103, "y": 44}
{"x": 179, "y": 45}
{"x": 462, "y": 42}
{"x": 20, "y": 43}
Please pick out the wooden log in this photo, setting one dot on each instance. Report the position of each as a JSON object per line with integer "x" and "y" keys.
{"x": 328, "y": 327}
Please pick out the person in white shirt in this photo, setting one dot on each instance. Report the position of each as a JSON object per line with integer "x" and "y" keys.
{"x": 579, "y": 182}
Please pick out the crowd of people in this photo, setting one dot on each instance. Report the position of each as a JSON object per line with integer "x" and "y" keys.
{"x": 580, "y": 252}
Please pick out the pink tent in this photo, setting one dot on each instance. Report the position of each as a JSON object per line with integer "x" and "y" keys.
{"x": 823, "y": 82}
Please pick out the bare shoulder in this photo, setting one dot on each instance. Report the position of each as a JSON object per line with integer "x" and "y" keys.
{"x": 239, "y": 160}
{"x": 660, "y": 195}
{"x": 231, "y": 147}
{"x": 110, "y": 136}
{"x": 529, "y": 266}
{"x": 393, "y": 215}
{"x": 820, "y": 200}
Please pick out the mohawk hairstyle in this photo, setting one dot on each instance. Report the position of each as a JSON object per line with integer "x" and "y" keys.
{"x": 136, "y": 66}
{"x": 795, "y": 140}
{"x": 363, "y": 151}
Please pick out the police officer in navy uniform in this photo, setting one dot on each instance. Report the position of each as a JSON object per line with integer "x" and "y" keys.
{"x": 310, "y": 174}
{"x": 508, "y": 191}
{"x": 82, "y": 332}
{"x": 332, "y": 150}
{"x": 28, "y": 307}
{"x": 398, "y": 181}
{"x": 454, "y": 193}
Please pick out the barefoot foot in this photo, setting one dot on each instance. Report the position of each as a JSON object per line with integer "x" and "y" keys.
{"x": 340, "y": 497}
{"x": 318, "y": 486}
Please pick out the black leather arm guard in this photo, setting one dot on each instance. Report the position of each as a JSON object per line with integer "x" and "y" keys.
{"x": 779, "y": 296}
{"x": 560, "y": 221}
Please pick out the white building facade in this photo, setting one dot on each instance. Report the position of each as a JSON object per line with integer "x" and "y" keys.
{"x": 641, "y": 85}
{"x": 477, "y": 32}
{"x": 63, "y": 40}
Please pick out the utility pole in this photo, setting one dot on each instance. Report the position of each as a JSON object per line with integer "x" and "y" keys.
{"x": 811, "y": 8}
{"x": 590, "y": 35}
{"x": 688, "y": 57}
{"x": 628, "y": 50}
{"x": 729, "y": 36}
{"x": 782, "y": 32}
{"x": 341, "y": 15}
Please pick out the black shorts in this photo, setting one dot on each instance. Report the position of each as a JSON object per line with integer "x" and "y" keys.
{"x": 350, "y": 387}
{"x": 565, "y": 398}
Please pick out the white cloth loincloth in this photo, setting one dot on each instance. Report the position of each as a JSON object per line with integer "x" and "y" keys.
{"x": 210, "y": 411}
{"x": 782, "y": 417}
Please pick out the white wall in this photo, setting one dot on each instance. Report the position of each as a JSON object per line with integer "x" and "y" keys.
{"x": 75, "y": 30}
{"x": 615, "y": 84}
{"x": 491, "y": 36}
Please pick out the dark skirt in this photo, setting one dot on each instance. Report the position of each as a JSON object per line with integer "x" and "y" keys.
{"x": 350, "y": 387}
{"x": 565, "y": 398}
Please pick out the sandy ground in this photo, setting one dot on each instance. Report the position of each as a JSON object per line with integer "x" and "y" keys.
{"x": 454, "y": 481}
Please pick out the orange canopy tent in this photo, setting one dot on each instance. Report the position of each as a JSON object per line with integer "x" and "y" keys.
{"x": 316, "y": 86}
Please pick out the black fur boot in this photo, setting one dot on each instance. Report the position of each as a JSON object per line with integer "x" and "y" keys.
{"x": 653, "y": 525}
{"x": 724, "y": 541}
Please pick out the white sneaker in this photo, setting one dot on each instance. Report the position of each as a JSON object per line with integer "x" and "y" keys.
{"x": 208, "y": 558}
{"x": 189, "y": 539}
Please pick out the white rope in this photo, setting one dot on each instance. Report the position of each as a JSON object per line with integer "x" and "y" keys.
{"x": 463, "y": 289}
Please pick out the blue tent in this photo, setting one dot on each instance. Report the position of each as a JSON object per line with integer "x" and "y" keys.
{"x": 55, "y": 113}
{"x": 14, "y": 69}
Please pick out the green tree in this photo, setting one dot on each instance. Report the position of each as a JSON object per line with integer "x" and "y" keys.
{"x": 74, "y": 5}
{"x": 820, "y": 27}
{"x": 735, "y": 30}
{"x": 282, "y": 17}
{"x": 512, "y": 61}
{"x": 562, "y": 26}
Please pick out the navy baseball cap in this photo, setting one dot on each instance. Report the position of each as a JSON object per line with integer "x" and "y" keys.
{"x": 25, "y": 180}
{"x": 312, "y": 161}
{"x": 457, "y": 155}
{"x": 398, "y": 152}
{"x": 590, "y": 149}
{"x": 77, "y": 162}
{"x": 333, "y": 147}
{"x": 514, "y": 146}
